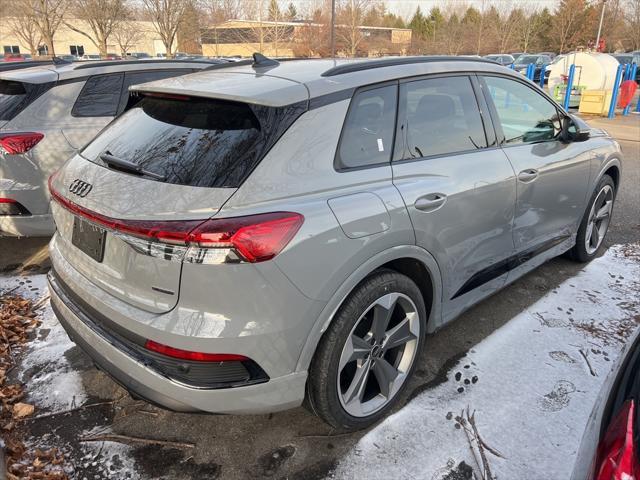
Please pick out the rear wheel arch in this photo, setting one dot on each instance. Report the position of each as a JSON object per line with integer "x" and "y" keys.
{"x": 410, "y": 260}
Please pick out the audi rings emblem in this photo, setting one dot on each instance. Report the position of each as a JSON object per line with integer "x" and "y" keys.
{"x": 80, "y": 188}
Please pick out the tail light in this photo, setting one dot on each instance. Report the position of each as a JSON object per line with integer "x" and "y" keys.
{"x": 253, "y": 238}
{"x": 617, "y": 458}
{"x": 16, "y": 143}
{"x": 9, "y": 206}
{"x": 193, "y": 356}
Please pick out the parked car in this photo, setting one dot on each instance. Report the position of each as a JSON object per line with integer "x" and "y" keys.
{"x": 551, "y": 55}
{"x": 256, "y": 235}
{"x": 517, "y": 54}
{"x": 139, "y": 55}
{"x": 88, "y": 56}
{"x": 610, "y": 446}
{"x": 14, "y": 57}
{"x": 46, "y": 114}
{"x": 501, "y": 58}
{"x": 524, "y": 60}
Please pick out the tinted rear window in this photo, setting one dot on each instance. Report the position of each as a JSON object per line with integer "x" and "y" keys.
{"x": 196, "y": 142}
{"x": 16, "y": 96}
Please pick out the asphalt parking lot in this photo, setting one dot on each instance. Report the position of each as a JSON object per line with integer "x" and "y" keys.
{"x": 295, "y": 444}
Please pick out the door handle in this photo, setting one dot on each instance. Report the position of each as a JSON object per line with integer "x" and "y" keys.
{"x": 528, "y": 175}
{"x": 430, "y": 202}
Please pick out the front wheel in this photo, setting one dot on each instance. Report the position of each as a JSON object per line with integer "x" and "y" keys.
{"x": 367, "y": 355}
{"x": 595, "y": 222}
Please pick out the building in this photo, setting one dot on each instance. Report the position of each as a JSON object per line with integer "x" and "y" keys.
{"x": 232, "y": 38}
{"x": 137, "y": 36}
{"x": 294, "y": 39}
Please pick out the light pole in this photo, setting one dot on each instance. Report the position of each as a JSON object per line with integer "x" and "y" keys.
{"x": 333, "y": 28}
{"x": 604, "y": 3}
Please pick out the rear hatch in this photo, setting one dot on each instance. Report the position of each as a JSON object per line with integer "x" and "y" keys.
{"x": 19, "y": 88}
{"x": 125, "y": 204}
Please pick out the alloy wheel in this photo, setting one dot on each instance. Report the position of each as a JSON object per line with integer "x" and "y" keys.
{"x": 599, "y": 218}
{"x": 378, "y": 354}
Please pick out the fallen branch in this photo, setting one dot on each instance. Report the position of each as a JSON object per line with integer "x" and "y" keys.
{"x": 71, "y": 410}
{"x": 40, "y": 302}
{"x": 584, "y": 355}
{"x": 109, "y": 437}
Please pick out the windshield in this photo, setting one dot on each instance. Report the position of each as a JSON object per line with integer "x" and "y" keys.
{"x": 193, "y": 141}
{"x": 527, "y": 59}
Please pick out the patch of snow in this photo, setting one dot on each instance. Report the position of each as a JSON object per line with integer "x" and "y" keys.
{"x": 50, "y": 381}
{"x": 528, "y": 383}
{"x": 109, "y": 460}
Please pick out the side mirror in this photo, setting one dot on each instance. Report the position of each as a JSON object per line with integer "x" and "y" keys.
{"x": 574, "y": 129}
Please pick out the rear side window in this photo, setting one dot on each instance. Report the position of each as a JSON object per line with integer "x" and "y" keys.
{"x": 367, "y": 134}
{"x": 16, "y": 96}
{"x": 194, "y": 141}
{"x": 525, "y": 115}
{"x": 441, "y": 117}
{"x": 99, "y": 97}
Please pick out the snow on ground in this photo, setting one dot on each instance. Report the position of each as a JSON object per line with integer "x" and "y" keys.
{"x": 529, "y": 384}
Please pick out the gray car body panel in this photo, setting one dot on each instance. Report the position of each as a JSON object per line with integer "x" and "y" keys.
{"x": 24, "y": 177}
{"x": 277, "y": 311}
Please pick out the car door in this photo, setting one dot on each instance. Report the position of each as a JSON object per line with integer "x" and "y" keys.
{"x": 552, "y": 175}
{"x": 459, "y": 188}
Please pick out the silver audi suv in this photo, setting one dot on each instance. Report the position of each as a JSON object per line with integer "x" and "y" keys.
{"x": 260, "y": 235}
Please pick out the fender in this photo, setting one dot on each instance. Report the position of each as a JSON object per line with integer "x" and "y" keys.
{"x": 328, "y": 312}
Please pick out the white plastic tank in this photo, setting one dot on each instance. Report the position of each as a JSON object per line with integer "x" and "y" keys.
{"x": 594, "y": 71}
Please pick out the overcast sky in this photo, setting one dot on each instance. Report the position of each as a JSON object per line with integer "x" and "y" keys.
{"x": 407, "y": 7}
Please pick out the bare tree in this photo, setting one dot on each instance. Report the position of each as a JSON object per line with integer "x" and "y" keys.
{"x": 26, "y": 30}
{"x": 102, "y": 16}
{"x": 348, "y": 32}
{"x": 47, "y": 15}
{"x": 219, "y": 12}
{"x": 633, "y": 23}
{"x": 166, "y": 16}
{"x": 127, "y": 35}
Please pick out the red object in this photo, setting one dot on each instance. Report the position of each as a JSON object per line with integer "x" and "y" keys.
{"x": 626, "y": 93}
{"x": 602, "y": 45}
{"x": 15, "y": 143}
{"x": 256, "y": 237}
{"x": 14, "y": 57}
{"x": 617, "y": 453}
{"x": 194, "y": 356}
{"x": 7, "y": 200}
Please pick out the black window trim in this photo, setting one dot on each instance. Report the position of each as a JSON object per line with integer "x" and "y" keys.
{"x": 487, "y": 120}
{"x": 86, "y": 80}
{"x": 124, "y": 94}
{"x": 493, "y": 112}
{"x": 336, "y": 160}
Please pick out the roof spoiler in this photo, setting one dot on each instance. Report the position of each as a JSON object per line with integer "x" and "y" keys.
{"x": 260, "y": 61}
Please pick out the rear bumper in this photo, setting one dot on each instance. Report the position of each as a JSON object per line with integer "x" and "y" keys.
{"x": 277, "y": 394}
{"x": 27, "y": 225}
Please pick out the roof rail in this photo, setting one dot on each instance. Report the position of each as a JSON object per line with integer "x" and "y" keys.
{"x": 395, "y": 61}
{"x": 7, "y": 66}
{"x": 110, "y": 63}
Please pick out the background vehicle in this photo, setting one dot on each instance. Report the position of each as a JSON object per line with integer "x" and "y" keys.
{"x": 87, "y": 56}
{"x": 48, "y": 112}
{"x": 551, "y": 55}
{"x": 610, "y": 446}
{"x": 230, "y": 186}
{"x": 502, "y": 59}
{"x": 524, "y": 60}
{"x": 138, "y": 55}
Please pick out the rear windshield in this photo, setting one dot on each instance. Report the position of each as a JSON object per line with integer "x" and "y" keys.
{"x": 193, "y": 141}
{"x": 16, "y": 96}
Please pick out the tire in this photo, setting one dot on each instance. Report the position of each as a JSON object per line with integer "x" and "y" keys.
{"x": 586, "y": 248}
{"x": 330, "y": 393}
